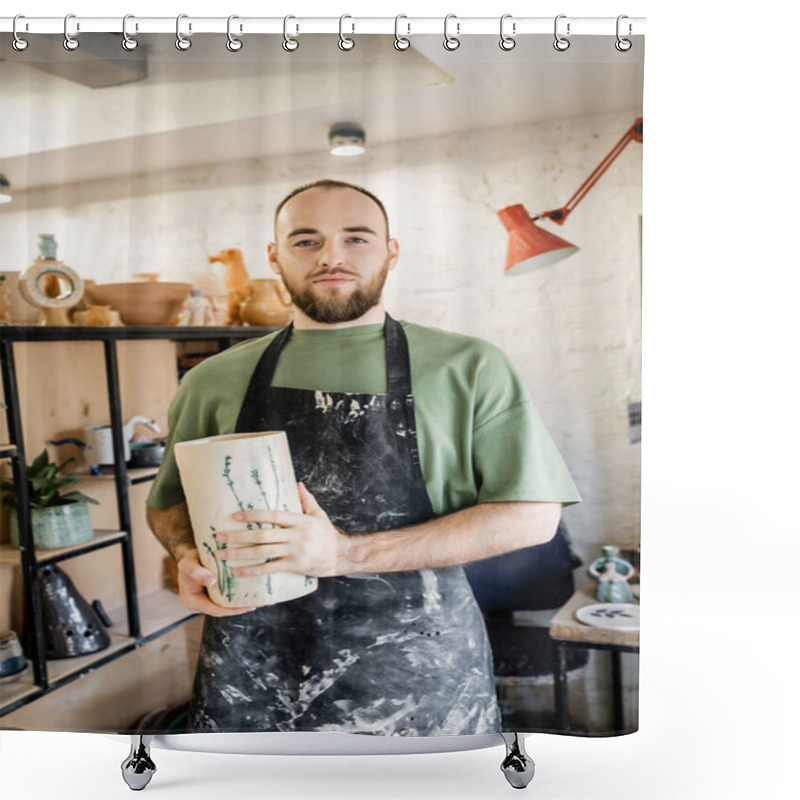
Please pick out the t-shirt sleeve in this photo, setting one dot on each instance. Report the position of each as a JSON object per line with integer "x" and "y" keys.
{"x": 515, "y": 458}
{"x": 514, "y": 455}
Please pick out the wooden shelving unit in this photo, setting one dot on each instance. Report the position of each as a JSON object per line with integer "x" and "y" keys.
{"x": 141, "y": 618}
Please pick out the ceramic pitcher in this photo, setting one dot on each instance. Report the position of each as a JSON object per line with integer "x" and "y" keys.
{"x": 267, "y": 303}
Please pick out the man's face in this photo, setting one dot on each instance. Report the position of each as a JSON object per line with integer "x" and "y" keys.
{"x": 332, "y": 253}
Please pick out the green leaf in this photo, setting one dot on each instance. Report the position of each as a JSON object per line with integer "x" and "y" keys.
{"x": 64, "y": 464}
{"x": 40, "y": 461}
{"x": 79, "y": 496}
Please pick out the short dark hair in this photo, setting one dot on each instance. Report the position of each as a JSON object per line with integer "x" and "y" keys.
{"x": 327, "y": 183}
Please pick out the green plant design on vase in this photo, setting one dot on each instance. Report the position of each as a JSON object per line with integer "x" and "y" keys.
{"x": 276, "y": 475}
{"x": 226, "y": 473}
{"x": 226, "y": 582}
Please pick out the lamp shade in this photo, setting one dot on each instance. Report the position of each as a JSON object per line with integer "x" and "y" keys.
{"x": 530, "y": 246}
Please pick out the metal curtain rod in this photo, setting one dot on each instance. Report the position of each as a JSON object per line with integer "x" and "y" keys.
{"x": 460, "y": 26}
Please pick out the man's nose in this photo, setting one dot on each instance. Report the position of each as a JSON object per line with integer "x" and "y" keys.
{"x": 331, "y": 255}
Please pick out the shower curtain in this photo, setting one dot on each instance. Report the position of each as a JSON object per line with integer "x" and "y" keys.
{"x": 144, "y": 235}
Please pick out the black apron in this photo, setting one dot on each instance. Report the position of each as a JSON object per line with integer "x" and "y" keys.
{"x": 403, "y": 653}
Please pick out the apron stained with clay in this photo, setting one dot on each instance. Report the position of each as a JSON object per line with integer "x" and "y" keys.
{"x": 395, "y": 653}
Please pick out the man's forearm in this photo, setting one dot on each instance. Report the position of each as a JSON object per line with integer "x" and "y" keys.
{"x": 172, "y": 528}
{"x": 474, "y": 533}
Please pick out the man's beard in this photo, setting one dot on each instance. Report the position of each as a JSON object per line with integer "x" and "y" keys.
{"x": 333, "y": 307}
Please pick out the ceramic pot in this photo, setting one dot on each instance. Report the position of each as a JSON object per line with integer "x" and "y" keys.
{"x": 12, "y": 659}
{"x": 235, "y": 472}
{"x": 146, "y": 454}
{"x": 57, "y": 526}
{"x": 19, "y": 309}
{"x": 267, "y": 303}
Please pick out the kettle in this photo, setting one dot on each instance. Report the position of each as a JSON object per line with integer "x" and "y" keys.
{"x": 100, "y": 444}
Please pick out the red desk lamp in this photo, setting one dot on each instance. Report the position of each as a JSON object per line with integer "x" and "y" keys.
{"x": 530, "y": 246}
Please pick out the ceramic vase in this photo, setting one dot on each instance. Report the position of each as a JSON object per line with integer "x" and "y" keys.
{"x": 20, "y": 310}
{"x": 267, "y": 303}
{"x": 612, "y": 574}
{"x": 57, "y": 526}
{"x": 237, "y": 472}
{"x": 72, "y": 626}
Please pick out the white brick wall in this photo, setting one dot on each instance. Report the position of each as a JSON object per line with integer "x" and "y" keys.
{"x": 573, "y": 329}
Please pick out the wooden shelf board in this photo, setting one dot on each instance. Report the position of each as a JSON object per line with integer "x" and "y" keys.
{"x": 17, "y": 687}
{"x": 157, "y": 610}
{"x": 10, "y": 554}
{"x": 61, "y": 668}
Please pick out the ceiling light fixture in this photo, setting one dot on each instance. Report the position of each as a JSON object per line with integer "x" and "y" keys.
{"x": 347, "y": 139}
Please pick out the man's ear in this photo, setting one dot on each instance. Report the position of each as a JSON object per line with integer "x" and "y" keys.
{"x": 272, "y": 257}
{"x": 393, "y": 247}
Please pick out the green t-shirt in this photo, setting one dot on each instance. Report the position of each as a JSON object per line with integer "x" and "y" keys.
{"x": 480, "y": 437}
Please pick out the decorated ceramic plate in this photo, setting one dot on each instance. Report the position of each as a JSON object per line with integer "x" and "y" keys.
{"x": 617, "y": 616}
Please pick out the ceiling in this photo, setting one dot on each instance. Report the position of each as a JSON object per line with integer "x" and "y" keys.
{"x": 208, "y": 106}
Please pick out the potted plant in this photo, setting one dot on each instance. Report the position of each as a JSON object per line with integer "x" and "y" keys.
{"x": 57, "y": 520}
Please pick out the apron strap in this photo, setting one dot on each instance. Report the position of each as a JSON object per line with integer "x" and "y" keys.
{"x": 398, "y": 364}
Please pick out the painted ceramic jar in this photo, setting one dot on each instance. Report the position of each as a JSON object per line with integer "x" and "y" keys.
{"x": 612, "y": 574}
{"x": 236, "y": 472}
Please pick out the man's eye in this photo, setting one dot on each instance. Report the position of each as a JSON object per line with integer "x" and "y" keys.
{"x": 304, "y": 242}
{"x": 357, "y": 239}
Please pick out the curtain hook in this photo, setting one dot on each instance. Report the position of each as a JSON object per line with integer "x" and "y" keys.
{"x": 182, "y": 43}
{"x": 400, "y": 42}
{"x": 128, "y": 42}
{"x": 623, "y": 45}
{"x": 19, "y": 44}
{"x": 233, "y": 44}
{"x": 507, "y": 42}
{"x": 70, "y": 42}
{"x": 561, "y": 43}
{"x": 290, "y": 43}
{"x": 451, "y": 42}
{"x": 344, "y": 42}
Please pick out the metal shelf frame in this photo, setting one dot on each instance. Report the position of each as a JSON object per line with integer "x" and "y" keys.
{"x": 14, "y": 450}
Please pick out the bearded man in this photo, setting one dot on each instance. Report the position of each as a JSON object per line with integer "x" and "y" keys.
{"x": 446, "y": 462}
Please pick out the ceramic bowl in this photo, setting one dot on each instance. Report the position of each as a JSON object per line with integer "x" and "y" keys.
{"x": 146, "y": 454}
{"x": 142, "y": 303}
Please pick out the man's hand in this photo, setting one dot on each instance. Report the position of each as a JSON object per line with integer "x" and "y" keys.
{"x": 307, "y": 543}
{"x": 310, "y": 544}
{"x": 193, "y": 578}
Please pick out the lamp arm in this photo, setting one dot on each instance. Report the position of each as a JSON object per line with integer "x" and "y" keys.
{"x": 560, "y": 214}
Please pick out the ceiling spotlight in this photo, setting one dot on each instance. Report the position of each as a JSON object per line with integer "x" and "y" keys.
{"x": 347, "y": 139}
{"x": 5, "y": 190}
